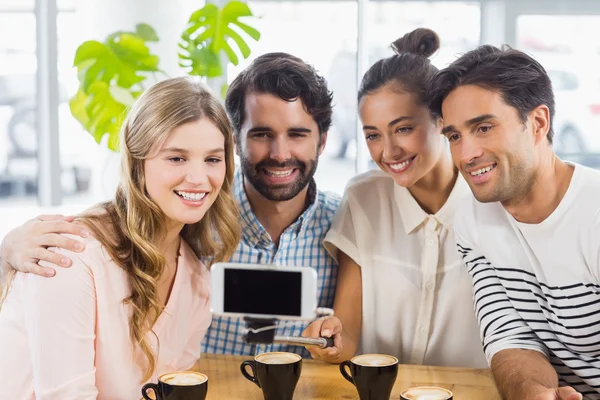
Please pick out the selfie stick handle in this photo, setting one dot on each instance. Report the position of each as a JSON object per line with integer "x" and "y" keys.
{"x": 302, "y": 341}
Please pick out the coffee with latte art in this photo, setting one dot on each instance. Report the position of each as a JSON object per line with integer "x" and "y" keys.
{"x": 374, "y": 360}
{"x": 278, "y": 358}
{"x": 426, "y": 393}
{"x": 187, "y": 378}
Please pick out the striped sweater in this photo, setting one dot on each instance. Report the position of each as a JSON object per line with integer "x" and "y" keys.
{"x": 537, "y": 286}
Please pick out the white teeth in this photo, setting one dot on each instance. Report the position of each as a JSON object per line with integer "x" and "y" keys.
{"x": 280, "y": 174}
{"x": 482, "y": 170}
{"x": 398, "y": 167}
{"x": 191, "y": 196}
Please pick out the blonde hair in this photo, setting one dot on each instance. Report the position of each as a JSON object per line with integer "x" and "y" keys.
{"x": 137, "y": 222}
{"x": 6, "y": 278}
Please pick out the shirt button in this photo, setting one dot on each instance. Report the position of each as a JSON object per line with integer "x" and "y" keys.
{"x": 429, "y": 285}
{"x": 430, "y": 242}
{"x": 422, "y": 330}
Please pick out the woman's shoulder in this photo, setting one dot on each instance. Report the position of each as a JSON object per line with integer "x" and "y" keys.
{"x": 369, "y": 186}
{"x": 101, "y": 231}
{"x": 374, "y": 179}
{"x": 93, "y": 253}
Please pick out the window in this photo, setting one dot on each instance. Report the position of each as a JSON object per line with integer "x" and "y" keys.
{"x": 18, "y": 160}
{"x": 571, "y": 56}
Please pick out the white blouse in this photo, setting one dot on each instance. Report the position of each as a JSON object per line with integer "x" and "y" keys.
{"x": 417, "y": 296}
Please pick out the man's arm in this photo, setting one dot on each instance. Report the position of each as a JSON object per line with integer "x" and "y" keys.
{"x": 522, "y": 373}
{"x": 517, "y": 357}
{"x": 345, "y": 328}
{"x": 527, "y": 374}
{"x": 27, "y": 244}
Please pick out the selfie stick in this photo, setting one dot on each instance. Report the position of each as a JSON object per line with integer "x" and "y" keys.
{"x": 302, "y": 341}
{"x": 262, "y": 331}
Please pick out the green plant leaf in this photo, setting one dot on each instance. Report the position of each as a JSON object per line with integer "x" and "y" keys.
{"x": 208, "y": 34}
{"x": 224, "y": 89}
{"x": 99, "y": 112}
{"x": 209, "y": 63}
{"x": 88, "y": 51}
{"x": 146, "y": 32}
{"x": 253, "y": 33}
{"x": 105, "y": 113}
{"x": 77, "y": 106}
{"x": 110, "y": 76}
{"x": 123, "y": 96}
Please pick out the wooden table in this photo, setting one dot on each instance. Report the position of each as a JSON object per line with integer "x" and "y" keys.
{"x": 324, "y": 381}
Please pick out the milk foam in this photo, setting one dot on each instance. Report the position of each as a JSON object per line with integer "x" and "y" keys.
{"x": 426, "y": 393}
{"x": 278, "y": 358}
{"x": 184, "y": 378}
{"x": 374, "y": 360}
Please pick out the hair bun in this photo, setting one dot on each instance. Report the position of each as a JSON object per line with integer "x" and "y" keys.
{"x": 421, "y": 41}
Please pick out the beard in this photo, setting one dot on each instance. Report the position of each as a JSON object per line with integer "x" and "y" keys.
{"x": 254, "y": 174}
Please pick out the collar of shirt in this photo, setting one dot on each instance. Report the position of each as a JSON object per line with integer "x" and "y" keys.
{"x": 253, "y": 233}
{"x": 414, "y": 216}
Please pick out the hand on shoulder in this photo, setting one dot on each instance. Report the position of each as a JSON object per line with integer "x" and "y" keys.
{"x": 26, "y": 245}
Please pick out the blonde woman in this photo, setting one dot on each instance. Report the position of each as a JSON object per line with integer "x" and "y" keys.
{"x": 135, "y": 302}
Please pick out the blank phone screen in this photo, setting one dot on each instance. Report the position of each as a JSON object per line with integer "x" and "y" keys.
{"x": 263, "y": 292}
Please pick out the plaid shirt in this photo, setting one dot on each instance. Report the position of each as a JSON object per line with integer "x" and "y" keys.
{"x": 301, "y": 244}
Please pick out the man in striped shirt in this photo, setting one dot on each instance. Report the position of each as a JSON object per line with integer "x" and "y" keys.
{"x": 530, "y": 237}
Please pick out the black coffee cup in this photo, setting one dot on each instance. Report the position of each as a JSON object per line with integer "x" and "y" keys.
{"x": 276, "y": 373}
{"x": 373, "y": 375}
{"x": 180, "y": 385}
{"x": 429, "y": 392}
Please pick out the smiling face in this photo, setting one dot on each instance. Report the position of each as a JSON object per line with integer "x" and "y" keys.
{"x": 403, "y": 138}
{"x": 491, "y": 146}
{"x": 186, "y": 174}
{"x": 278, "y": 146}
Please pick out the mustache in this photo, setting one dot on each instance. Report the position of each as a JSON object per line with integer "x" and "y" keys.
{"x": 292, "y": 163}
{"x": 474, "y": 164}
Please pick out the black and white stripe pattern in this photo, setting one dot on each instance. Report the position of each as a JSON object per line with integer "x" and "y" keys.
{"x": 515, "y": 309}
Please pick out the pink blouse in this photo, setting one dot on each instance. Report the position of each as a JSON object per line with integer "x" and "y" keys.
{"x": 67, "y": 337}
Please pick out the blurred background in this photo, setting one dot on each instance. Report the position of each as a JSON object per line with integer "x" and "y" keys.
{"x": 50, "y": 163}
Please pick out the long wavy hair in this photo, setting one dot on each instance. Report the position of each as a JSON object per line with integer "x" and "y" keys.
{"x": 137, "y": 220}
{"x": 131, "y": 226}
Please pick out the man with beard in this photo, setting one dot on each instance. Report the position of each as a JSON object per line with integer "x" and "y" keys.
{"x": 281, "y": 111}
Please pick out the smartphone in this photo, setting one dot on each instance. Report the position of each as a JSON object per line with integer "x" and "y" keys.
{"x": 263, "y": 291}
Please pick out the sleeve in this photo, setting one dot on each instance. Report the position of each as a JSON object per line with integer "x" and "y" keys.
{"x": 501, "y": 326}
{"x": 60, "y": 316}
{"x": 593, "y": 242}
{"x": 342, "y": 235}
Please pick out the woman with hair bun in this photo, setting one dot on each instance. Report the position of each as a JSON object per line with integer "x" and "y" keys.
{"x": 402, "y": 288}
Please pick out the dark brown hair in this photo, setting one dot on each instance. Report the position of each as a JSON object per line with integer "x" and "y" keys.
{"x": 287, "y": 77}
{"x": 521, "y": 81}
{"x": 409, "y": 69}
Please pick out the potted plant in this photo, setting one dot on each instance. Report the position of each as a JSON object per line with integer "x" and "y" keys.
{"x": 113, "y": 73}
